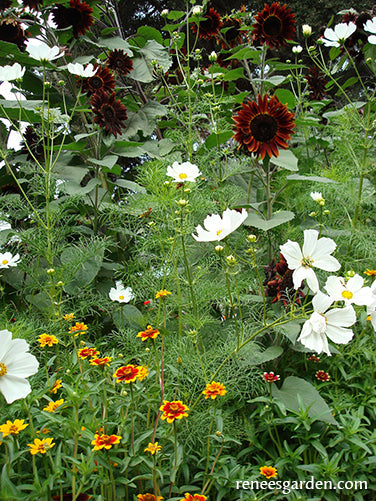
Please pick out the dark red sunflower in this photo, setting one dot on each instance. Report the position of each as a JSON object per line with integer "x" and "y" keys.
{"x": 316, "y": 83}
{"x": 263, "y": 127}
{"x": 110, "y": 113}
{"x": 78, "y": 15}
{"x": 11, "y": 31}
{"x": 119, "y": 61}
{"x": 32, "y": 4}
{"x": 279, "y": 284}
{"x": 210, "y": 27}
{"x": 231, "y": 33}
{"x": 274, "y": 25}
{"x": 103, "y": 80}
{"x": 5, "y": 4}
{"x": 32, "y": 144}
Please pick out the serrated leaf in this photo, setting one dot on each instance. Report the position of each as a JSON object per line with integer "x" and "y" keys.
{"x": 292, "y": 387}
{"x": 144, "y": 119}
{"x": 277, "y": 219}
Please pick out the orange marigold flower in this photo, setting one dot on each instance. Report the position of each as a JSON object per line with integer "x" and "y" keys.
{"x": 153, "y": 448}
{"x": 213, "y": 390}
{"x": 52, "y": 406}
{"x": 57, "y": 385}
{"x": 148, "y": 497}
{"x": 79, "y": 328}
{"x": 105, "y": 441}
{"x": 370, "y": 273}
{"x": 47, "y": 340}
{"x": 101, "y": 362}
{"x": 87, "y": 352}
{"x": 69, "y": 317}
{"x": 41, "y": 446}
{"x": 162, "y": 294}
{"x": 127, "y": 373}
{"x": 14, "y": 428}
{"x": 143, "y": 372}
{"x": 193, "y": 497}
{"x": 149, "y": 333}
{"x": 268, "y": 471}
{"x": 173, "y": 410}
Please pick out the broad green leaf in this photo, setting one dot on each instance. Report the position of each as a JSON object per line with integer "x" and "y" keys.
{"x": 113, "y": 43}
{"x": 316, "y": 179}
{"x": 286, "y": 97}
{"x": 175, "y": 14}
{"x": 294, "y": 386}
{"x": 219, "y": 138}
{"x": 246, "y": 53}
{"x": 150, "y": 33}
{"x": 277, "y": 219}
{"x": 286, "y": 160}
{"x": 253, "y": 356}
{"x": 144, "y": 120}
{"x": 142, "y": 67}
{"x": 355, "y": 106}
{"x": 128, "y": 315}
{"x": 108, "y": 161}
{"x": 233, "y": 74}
{"x": 130, "y": 185}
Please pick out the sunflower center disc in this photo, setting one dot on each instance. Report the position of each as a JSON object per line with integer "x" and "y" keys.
{"x": 3, "y": 369}
{"x": 96, "y": 82}
{"x": 263, "y": 127}
{"x": 108, "y": 113}
{"x": 73, "y": 16}
{"x": 272, "y": 26}
{"x": 9, "y": 32}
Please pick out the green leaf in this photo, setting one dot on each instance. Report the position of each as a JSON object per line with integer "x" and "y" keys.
{"x": 130, "y": 185}
{"x": 286, "y": 160}
{"x": 150, "y": 33}
{"x": 81, "y": 265}
{"x": 316, "y": 179}
{"x": 253, "y": 356}
{"x": 246, "y": 53}
{"x": 277, "y": 219}
{"x": 219, "y": 138}
{"x": 144, "y": 119}
{"x": 294, "y": 386}
{"x": 142, "y": 67}
{"x": 128, "y": 315}
{"x": 233, "y": 74}
{"x": 108, "y": 161}
{"x": 174, "y": 15}
{"x": 286, "y": 97}
{"x": 114, "y": 43}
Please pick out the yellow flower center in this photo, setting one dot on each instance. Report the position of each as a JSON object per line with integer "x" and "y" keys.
{"x": 4, "y": 261}
{"x": 307, "y": 262}
{"x": 121, "y": 297}
{"x": 219, "y": 232}
{"x": 13, "y": 429}
{"x": 182, "y": 175}
{"x": 347, "y": 294}
{"x": 174, "y": 407}
{"x": 3, "y": 369}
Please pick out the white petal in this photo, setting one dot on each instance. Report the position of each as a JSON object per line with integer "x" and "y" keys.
{"x": 339, "y": 335}
{"x": 355, "y": 283}
{"x": 334, "y": 287}
{"x": 330, "y": 35}
{"x": 327, "y": 263}
{"x": 24, "y": 365}
{"x": 370, "y": 25}
{"x": 299, "y": 274}
{"x": 343, "y": 317}
{"x": 372, "y": 39}
{"x": 5, "y": 342}
{"x": 14, "y": 388}
{"x": 312, "y": 281}
{"x": 292, "y": 253}
{"x": 18, "y": 346}
{"x": 321, "y": 302}
{"x": 310, "y": 242}
{"x": 363, "y": 297}
{"x": 315, "y": 342}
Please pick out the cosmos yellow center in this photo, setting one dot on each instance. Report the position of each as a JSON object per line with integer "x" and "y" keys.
{"x": 3, "y": 369}
{"x": 121, "y": 297}
{"x": 347, "y": 294}
{"x": 307, "y": 262}
{"x": 182, "y": 175}
{"x": 4, "y": 261}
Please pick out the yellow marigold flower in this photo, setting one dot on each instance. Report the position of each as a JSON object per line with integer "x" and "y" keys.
{"x": 41, "y": 446}
{"x": 101, "y": 362}
{"x": 57, "y": 385}
{"x": 173, "y": 410}
{"x": 79, "y": 328}
{"x": 143, "y": 372}
{"x": 370, "y": 273}
{"x": 148, "y": 497}
{"x": 44, "y": 431}
{"x": 52, "y": 406}
{"x": 87, "y": 352}
{"x": 69, "y": 317}
{"x": 268, "y": 471}
{"x": 193, "y": 497}
{"x": 153, "y": 448}
{"x": 12, "y": 428}
{"x": 127, "y": 373}
{"x": 47, "y": 339}
{"x": 149, "y": 333}
{"x": 105, "y": 441}
{"x": 162, "y": 294}
{"x": 213, "y": 390}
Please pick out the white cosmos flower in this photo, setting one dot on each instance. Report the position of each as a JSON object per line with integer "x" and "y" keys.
{"x": 370, "y": 26}
{"x": 7, "y": 260}
{"x": 315, "y": 254}
{"x": 41, "y": 51}
{"x": 9, "y": 73}
{"x": 120, "y": 293}
{"x": 15, "y": 365}
{"x": 78, "y": 69}
{"x": 4, "y": 225}
{"x": 325, "y": 324}
{"x": 317, "y": 197}
{"x": 336, "y": 37}
{"x": 184, "y": 172}
{"x": 217, "y": 227}
{"x": 371, "y": 309}
{"x": 351, "y": 291}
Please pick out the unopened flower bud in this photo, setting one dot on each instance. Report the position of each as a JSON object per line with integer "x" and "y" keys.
{"x": 306, "y": 30}
{"x": 164, "y": 12}
{"x": 297, "y": 49}
{"x": 312, "y": 214}
{"x": 120, "y": 355}
{"x": 182, "y": 202}
{"x": 197, "y": 10}
{"x": 350, "y": 274}
{"x": 252, "y": 238}
{"x": 147, "y": 350}
{"x": 218, "y": 433}
{"x": 154, "y": 62}
{"x": 82, "y": 343}
{"x": 123, "y": 393}
{"x": 50, "y": 271}
{"x": 219, "y": 248}
{"x": 326, "y": 212}
{"x": 61, "y": 83}
{"x": 231, "y": 260}
{"x": 60, "y": 283}
{"x": 187, "y": 190}
{"x": 47, "y": 85}
{"x": 213, "y": 56}
{"x": 179, "y": 360}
